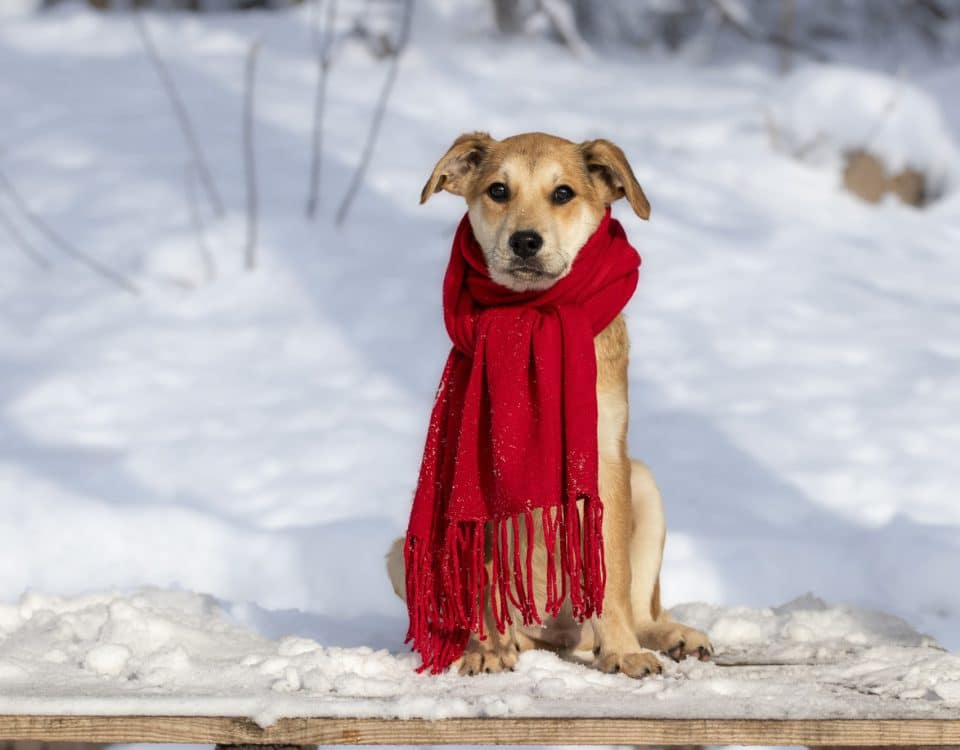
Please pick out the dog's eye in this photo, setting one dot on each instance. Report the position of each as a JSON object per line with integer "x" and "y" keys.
{"x": 563, "y": 194}
{"x": 498, "y": 192}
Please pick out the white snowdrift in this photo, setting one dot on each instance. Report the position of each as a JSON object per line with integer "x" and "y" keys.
{"x": 821, "y": 112}
{"x": 154, "y": 651}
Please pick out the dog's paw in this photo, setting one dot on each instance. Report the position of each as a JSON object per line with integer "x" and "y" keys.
{"x": 677, "y": 641}
{"x": 638, "y": 664}
{"x": 483, "y": 657}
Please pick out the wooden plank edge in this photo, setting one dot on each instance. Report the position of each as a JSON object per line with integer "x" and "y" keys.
{"x": 516, "y": 731}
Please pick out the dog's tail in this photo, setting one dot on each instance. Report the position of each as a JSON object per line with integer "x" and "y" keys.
{"x": 395, "y": 568}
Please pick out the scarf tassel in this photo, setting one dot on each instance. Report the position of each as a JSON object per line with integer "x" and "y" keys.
{"x": 442, "y": 617}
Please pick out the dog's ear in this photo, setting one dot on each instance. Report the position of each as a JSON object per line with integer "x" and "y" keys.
{"x": 455, "y": 167}
{"x": 612, "y": 176}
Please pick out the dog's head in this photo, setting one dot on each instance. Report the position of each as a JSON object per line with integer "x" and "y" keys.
{"x": 534, "y": 199}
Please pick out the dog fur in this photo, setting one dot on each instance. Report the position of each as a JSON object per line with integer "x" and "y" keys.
{"x": 524, "y": 184}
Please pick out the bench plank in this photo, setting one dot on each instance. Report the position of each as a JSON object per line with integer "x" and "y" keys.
{"x": 344, "y": 731}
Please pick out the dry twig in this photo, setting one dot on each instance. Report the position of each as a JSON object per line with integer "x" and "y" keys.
{"x": 209, "y": 266}
{"x": 774, "y": 39}
{"x": 22, "y": 242}
{"x": 378, "y": 115}
{"x": 180, "y": 112}
{"x": 561, "y": 18}
{"x": 60, "y": 243}
{"x": 324, "y": 50}
{"x": 249, "y": 155}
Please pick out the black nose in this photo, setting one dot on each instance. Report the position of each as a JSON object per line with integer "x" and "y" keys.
{"x": 526, "y": 244}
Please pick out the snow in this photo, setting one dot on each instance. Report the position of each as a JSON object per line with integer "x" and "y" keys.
{"x": 795, "y": 376}
{"x": 824, "y": 112}
{"x": 17, "y": 7}
{"x": 154, "y": 651}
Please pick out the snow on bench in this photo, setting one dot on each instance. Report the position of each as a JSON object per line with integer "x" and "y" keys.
{"x": 173, "y": 666}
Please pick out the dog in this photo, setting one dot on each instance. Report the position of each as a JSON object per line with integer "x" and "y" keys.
{"x": 533, "y": 201}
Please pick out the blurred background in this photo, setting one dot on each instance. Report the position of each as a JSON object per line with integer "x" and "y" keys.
{"x": 220, "y": 327}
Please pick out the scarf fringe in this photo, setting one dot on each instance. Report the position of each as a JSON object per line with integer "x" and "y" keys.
{"x": 442, "y": 617}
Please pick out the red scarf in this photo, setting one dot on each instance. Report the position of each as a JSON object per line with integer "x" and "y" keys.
{"x": 513, "y": 429}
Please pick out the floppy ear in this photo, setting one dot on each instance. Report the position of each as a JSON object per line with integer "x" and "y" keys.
{"x": 457, "y": 166}
{"x": 612, "y": 176}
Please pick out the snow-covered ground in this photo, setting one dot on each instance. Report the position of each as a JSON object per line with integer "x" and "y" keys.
{"x": 158, "y": 652}
{"x": 795, "y": 379}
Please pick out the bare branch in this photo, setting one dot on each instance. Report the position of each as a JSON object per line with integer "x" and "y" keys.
{"x": 378, "y": 43}
{"x": 787, "y": 24}
{"x": 935, "y": 9}
{"x": 209, "y": 266}
{"x": 324, "y": 52}
{"x": 378, "y": 115}
{"x": 60, "y": 243}
{"x": 180, "y": 112}
{"x": 774, "y": 39}
{"x": 22, "y": 242}
{"x": 560, "y": 15}
{"x": 249, "y": 155}
{"x": 508, "y": 15}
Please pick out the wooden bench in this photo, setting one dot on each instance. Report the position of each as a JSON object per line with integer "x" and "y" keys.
{"x": 226, "y": 731}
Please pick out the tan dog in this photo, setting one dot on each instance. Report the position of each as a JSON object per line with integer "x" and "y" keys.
{"x": 534, "y": 200}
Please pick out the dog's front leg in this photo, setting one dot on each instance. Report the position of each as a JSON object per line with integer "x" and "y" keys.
{"x": 497, "y": 651}
{"x": 616, "y": 646}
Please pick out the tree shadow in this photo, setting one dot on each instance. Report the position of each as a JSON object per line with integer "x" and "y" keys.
{"x": 747, "y": 536}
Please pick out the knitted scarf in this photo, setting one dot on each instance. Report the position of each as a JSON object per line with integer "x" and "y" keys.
{"x": 513, "y": 430}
